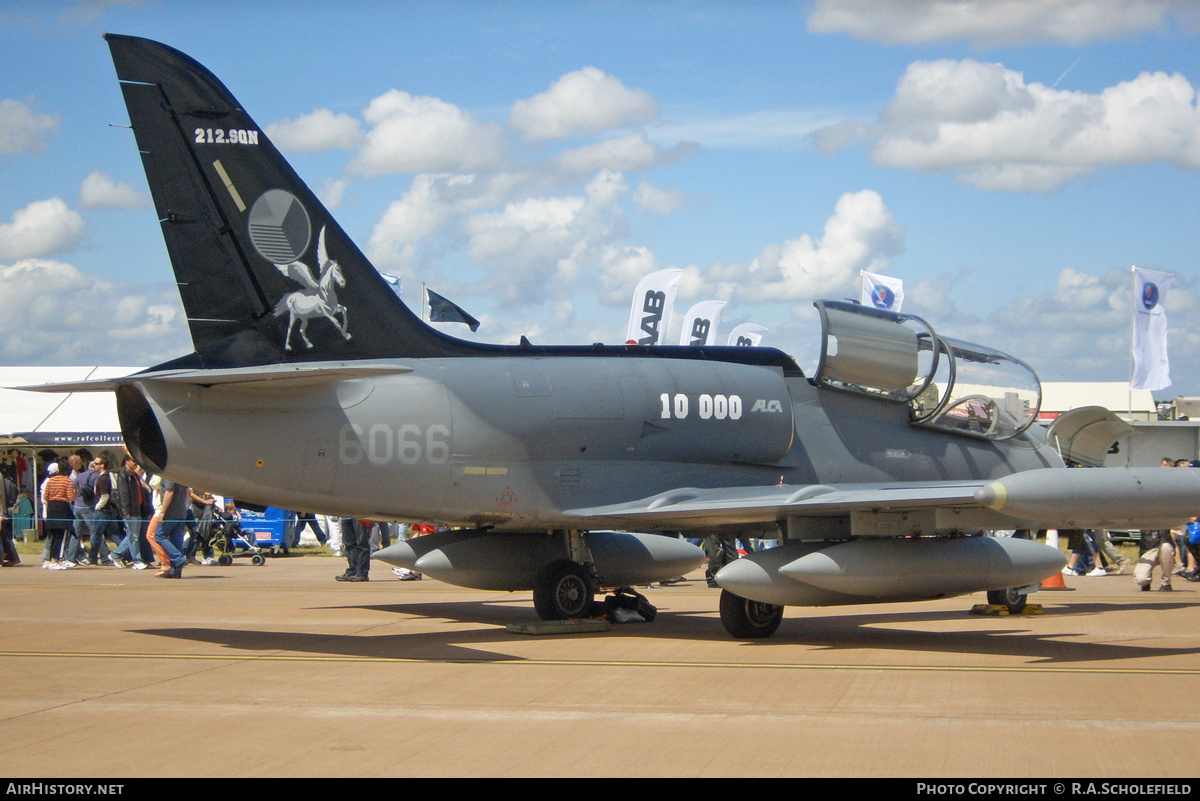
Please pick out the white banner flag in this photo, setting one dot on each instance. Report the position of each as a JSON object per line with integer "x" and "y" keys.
{"x": 882, "y": 291}
{"x": 747, "y": 335}
{"x": 650, "y": 315}
{"x": 1151, "y": 368}
{"x": 700, "y": 325}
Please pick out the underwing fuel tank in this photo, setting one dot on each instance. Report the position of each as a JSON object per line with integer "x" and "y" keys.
{"x": 512, "y": 561}
{"x": 1150, "y": 497}
{"x": 880, "y": 571}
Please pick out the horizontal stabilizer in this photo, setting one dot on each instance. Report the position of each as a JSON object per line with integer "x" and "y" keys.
{"x": 277, "y": 375}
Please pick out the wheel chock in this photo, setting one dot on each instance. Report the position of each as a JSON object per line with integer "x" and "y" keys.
{"x": 1000, "y": 610}
{"x": 991, "y": 610}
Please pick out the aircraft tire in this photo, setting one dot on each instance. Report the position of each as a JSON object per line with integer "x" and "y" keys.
{"x": 564, "y": 590}
{"x": 1014, "y": 600}
{"x": 748, "y": 620}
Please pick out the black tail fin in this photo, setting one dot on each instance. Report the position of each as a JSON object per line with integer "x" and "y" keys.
{"x": 265, "y": 273}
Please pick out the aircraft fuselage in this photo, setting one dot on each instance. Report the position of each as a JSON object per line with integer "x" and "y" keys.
{"x": 512, "y": 442}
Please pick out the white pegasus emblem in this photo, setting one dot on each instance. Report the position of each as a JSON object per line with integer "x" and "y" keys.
{"x": 317, "y": 299}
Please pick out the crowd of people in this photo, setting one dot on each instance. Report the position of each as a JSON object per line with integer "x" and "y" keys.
{"x": 95, "y": 513}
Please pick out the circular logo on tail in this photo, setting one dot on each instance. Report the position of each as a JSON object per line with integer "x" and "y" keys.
{"x": 279, "y": 226}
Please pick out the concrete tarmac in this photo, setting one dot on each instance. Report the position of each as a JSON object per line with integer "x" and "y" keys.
{"x": 281, "y": 671}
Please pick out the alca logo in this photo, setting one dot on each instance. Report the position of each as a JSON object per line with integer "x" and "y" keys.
{"x": 768, "y": 406}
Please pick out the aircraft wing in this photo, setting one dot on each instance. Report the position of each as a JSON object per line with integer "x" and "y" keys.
{"x": 734, "y": 505}
{"x": 1048, "y": 498}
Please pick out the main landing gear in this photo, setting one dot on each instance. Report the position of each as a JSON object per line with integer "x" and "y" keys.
{"x": 748, "y": 620}
{"x": 564, "y": 590}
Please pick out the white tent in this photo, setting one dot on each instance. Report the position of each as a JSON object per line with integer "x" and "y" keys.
{"x": 67, "y": 420}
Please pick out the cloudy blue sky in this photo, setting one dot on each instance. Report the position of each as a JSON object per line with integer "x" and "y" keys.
{"x": 1010, "y": 160}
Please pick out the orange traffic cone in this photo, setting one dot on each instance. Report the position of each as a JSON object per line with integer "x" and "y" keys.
{"x": 1054, "y": 582}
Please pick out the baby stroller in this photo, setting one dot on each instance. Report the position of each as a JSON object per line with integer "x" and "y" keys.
{"x": 228, "y": 540}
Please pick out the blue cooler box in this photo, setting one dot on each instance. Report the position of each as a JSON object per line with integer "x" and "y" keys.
{"x": 267, "y": 529}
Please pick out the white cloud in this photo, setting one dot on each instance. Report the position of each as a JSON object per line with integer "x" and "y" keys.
{"x": 995, "y": 22}
{"x": 51, "y": 313}
{"x": 541, "y": 222}
{"x": 658, "y": 199}
{"x": 23, "y": 130}
{"x": 424, "y": 134}
{"x": 773, "y": 129}
{"x": 543, "y": 242}
{"x": 432, "y": 200}
{"x": 984, "y": 123}
{"x": 332, "y": 192}
{"x": 622, "y": 266}
{"x": 839, "y": 135}
{"x": 632, "y": 153}
{"x": 100, "y": 191}
{"x": 42, "y": 228}
{"x": 316, "y": 131}
{"x": 860, "y": 235}
{"x": 585, "y": 101}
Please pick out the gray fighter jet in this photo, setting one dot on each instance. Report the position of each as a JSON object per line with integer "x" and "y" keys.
{"x": 313, "y": 387}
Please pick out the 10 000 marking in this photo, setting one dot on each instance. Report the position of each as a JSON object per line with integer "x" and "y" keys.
{"x": 708, "y": 407}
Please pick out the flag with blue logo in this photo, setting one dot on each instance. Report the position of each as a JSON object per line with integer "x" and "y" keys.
{"x": 1151, "y": 368}
{"x": 882, "y": 291}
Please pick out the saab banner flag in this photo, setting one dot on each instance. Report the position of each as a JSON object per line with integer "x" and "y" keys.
{"x": 650, "y": 315}
{"x": 882, "y": 291}
{"x": 443, "y": 311}
{"x": 747, "y": 335}
{"x": 700, "y": 325}
{"x": 1151, "y": 368}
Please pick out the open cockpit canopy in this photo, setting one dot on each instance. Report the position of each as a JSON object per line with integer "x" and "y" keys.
{"x": 949, "y": 385}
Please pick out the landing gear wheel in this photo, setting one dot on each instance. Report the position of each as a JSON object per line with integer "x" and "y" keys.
{"x": 1015, "y": 601}
{"x": 258, "y": 560}
{"x": 748, "y": 620}
{"x": 564, "y": 590}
